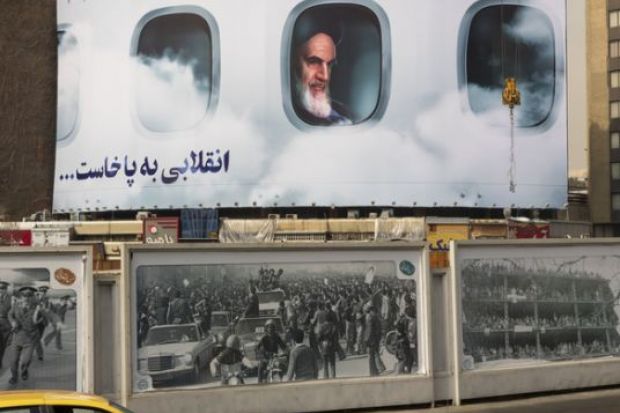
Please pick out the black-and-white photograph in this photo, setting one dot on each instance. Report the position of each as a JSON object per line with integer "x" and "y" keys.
{"x": 212, "y": 325}
{"x": 37, "y": 331}
{"x": 536, "y": 310}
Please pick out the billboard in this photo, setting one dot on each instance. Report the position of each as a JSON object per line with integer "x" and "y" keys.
{"x": 170, "y": 104}
{"x": 532, "y": 310}
{"x": 212, "y": 317}
{"x": 44, "y": 328}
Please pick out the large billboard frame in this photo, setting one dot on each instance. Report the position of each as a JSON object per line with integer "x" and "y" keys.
{"x": 335, "y": 393}
{"x": 78, "y": 260}
{"x": 536, "y": 376}
{"x": 396, "y": 95}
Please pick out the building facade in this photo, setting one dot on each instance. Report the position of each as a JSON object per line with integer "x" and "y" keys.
{"x": 603, "y": 34}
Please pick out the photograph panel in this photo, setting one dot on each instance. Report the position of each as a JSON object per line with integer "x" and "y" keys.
{"x": 38, "y": 331}
{"x": 531, "y": 310}
{"x": 269, "y": 322}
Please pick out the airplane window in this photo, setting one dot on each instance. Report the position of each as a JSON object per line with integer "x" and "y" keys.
{"x": 175, "y": 71}
{"x": 336, "y": 67}
{"x": 511, "y": 62}
{"x": 68, "y": 85}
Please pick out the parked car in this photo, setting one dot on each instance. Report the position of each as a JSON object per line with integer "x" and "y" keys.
{"x": 175, "y": 350}
{"x": 56, "y": 402}
{"x": 250, "y": 331}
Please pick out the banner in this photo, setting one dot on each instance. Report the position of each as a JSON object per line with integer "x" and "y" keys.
{"x": 203, "y": 103}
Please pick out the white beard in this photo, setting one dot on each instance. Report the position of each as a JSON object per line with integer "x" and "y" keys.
{"x": 320, "y": 107}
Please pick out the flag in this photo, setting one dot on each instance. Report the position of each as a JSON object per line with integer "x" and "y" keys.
{"x": 370, "y": 275}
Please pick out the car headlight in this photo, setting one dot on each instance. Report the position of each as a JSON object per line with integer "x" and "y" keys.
{"x": 142, "y": 365}
{"x": 186, "y": 358}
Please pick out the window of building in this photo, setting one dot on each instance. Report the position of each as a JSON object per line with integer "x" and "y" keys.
{"x": 615, "y": 140}
{"x": 68, "y": 84}
{"x": 615, "y": 202}
{"x": 346, "y": 85}
{"x": 614, "y": 19}
{"x": 614, "y": 110}
{"x": 614, "y": 79}
{"x": 614, "y": 49}
{"x": 177, "y": 59}
{"x": 501, "y": 54}
{"x": 615, "y": 171}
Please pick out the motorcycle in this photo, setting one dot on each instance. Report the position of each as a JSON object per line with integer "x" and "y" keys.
{"x": 276, "y": 368}
{"x": 232, "y": 374}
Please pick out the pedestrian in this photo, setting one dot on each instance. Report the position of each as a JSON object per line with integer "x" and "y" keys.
{"x": 403, "y": 349}
{"x": 252, "y": 308}
{"x": 373, "y": 340}
{"x": 6, "y": 302}
{"x": 25, "y": 318}
{"x": 51, "y": 314}
{"x": 281, "y": 312}
{"x": 179, "y": 310}
{"x": 328, "y": 342}
{"x": 61, "y": 311}
{"x": 45, "y": 309}
{"x": 160, "y": 303}
{"x": 303, "y": 364}
{"x": 349, "y": 319}
{"x": 268, "y": 348}
{"x": 360, "y": 328}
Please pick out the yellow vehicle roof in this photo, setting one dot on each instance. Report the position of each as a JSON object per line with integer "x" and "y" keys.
{"x": 51, "y": 397}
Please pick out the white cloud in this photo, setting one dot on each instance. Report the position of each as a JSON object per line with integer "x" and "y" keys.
{"x": 169, "y": 97}
{"x": 531, "y": 26}
{"x": 449, "y": 156}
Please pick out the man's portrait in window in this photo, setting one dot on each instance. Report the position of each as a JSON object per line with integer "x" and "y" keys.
{"x": 336, "y": 65}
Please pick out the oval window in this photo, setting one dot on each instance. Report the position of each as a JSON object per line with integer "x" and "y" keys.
{"x": 338, "y": 64}
{"x": 511, "y": 62}
{"x": 176, "y": 71}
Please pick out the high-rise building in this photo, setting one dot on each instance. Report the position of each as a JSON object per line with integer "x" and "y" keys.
{"x": 603, "y": 43}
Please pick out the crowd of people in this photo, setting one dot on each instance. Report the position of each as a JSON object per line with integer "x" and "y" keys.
{"x": 29, "y": 322}
{"x": 499, "y": 322}
{"x": 542, "y": 313}
{"x": 555, "y": 351}
{"x": 332, "y": 316}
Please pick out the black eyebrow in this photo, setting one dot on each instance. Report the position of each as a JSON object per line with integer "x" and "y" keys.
{"x": 314, "y": 59}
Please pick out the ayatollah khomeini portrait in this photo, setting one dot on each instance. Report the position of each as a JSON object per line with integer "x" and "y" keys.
{"x": 315, "y": 51}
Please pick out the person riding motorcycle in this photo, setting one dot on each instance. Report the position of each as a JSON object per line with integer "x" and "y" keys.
{"x": 268, "y": 350}
{"x": 229, "y": 362}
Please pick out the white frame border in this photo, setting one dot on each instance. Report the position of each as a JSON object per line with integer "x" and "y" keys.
{"x": 561, "y": 375}
{"x": 84, "y": 380}
{"x": 317, "y": 395}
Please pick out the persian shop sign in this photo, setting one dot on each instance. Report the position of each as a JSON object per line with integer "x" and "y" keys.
{"x": 161, "y": 230}
{"x": 325, "y": 103}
